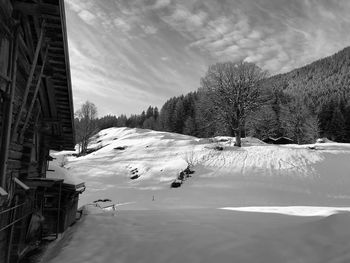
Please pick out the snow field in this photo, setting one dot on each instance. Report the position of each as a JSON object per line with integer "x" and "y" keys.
{"x": 258, "y": 203}
{"x": 255, "y": 174}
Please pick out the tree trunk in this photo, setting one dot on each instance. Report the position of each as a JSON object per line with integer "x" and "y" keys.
{"x": 238, "y": 131}
{"x": 238, "y": 137}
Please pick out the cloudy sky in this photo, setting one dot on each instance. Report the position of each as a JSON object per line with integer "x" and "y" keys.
{"x": 128, "y": 54}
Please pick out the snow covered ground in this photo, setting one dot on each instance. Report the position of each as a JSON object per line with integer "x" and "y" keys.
{"x": 256, "y": 174}
{"x": 258, "y": 203}
{"x": 203, "y": 236}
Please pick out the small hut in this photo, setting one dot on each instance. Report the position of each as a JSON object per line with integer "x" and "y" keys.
{"x": 279, "y": 140}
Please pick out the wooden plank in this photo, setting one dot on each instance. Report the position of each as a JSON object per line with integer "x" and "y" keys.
{"x": 5, "y": 9}
{"x": 5, "y": 46}
{"x": 15, "y": 155}
{"x": 7, "y": 79}
{"x": 29, "y": 82}
{"x": 5, "y": 29}
{"x": 14, "y": 164}
{"x": 16, "y": 147}
{"x": 7, "y": 119}
{"x": 21, "y": 184}
{"x": 63, "y": 70}
{"x": 56, "y": 43}
{"x": 24, "y": 47}
{"x": 61, "y": 88}
{"x": 29, "y": 112}
{"x": 23, "y": 61}
{"x": 52, "y": 101}
{"x": 58, "y": 82}
{"x": 56, "y": 48}
{"x": 45, "y": 111}
{"x": 53, "y": 55}
{"x": 28, "y": 35}
{"x": 28, "y": 144}
{"x": 63, "y": 103}
{"x": 3, "y": 193}
{"x": 52, "y": 17}
{"x": 54, "y": 61}
{"x": 52, "y": 25}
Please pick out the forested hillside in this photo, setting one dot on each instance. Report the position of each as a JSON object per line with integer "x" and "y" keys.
{"x": 324, "y": 88}
{"x": 304, "y": 104}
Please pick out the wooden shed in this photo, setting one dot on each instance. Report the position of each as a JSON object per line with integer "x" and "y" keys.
{"x": 36, "y": 115}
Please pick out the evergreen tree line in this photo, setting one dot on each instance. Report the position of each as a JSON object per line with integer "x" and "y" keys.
{"x": 148, "y": 119}
{"x": 304, "y": 104}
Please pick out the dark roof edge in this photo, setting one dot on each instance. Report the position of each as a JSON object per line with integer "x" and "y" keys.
{"x": 66, "y": 54}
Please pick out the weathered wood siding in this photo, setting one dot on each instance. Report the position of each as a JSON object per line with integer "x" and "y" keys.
{"x": 36, "y": 99}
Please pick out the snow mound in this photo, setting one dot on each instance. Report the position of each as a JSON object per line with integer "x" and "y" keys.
{"x": 292, "y": 210}
{"x": 57, "y": 172}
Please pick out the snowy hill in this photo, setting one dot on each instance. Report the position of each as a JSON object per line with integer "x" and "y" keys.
{"x": 271, "y": 199}
{"x": 255, "y": 174}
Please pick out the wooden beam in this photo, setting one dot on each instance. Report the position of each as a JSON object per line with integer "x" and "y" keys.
{"x": 59, "y": 76}
{"x": 53, "y": 55}
{"x": 56, "y": 48}
{"x": 36, "y": 9}
{"x": 63, "y": 102}
{"x": 5, "y": 28}
{"x": 38, "y": 27}
{"x": 56, "y": 43}
{"x": 50, "y": 121}
{"x": 7, "y": 79}
{"x": 52, "y": 17}
{"x": 28, "y": 35}
{"x": 7, "y": 118}
{"x": 58, "y": 92}
{"x": 52, "y": 61}
{"x": 24, "y": 47}
{"x": 6, "y": 9}
{"x": 29, "y": 82}
{"x": 52, "y": 25}
{"x": 52, "y": 101}
{"x": 29, "y": 112}
{"x": 59, "y": 69}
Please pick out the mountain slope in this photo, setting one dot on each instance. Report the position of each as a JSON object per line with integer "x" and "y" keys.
{"x": 329, "y": 76}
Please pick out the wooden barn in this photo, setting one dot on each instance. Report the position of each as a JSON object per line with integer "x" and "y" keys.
{"x": 36, "y": 116}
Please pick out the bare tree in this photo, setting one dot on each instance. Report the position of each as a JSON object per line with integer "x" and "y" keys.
{"x": 298, "y": 122}
{"x": 234, "y": 90}
{"x": 85, "y": 124}
{"x": 262, "y": 123}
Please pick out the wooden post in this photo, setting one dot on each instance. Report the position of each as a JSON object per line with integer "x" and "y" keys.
{"x": 29, "y": 82}
{"x": 59, "y": 210}
{"x": 13, "y": 218}
{"x": 8, "y": 113}
{"x": 34, "y": 95}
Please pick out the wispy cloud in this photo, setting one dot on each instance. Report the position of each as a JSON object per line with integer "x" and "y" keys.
{"x": 150, "y": 30}
{"x": 121, "y": 24}
{"x": 128, "y": 54}
{"x": 161, "y": 3}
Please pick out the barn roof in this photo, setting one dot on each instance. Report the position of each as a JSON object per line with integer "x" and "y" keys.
{"x": 56, "y": 99}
